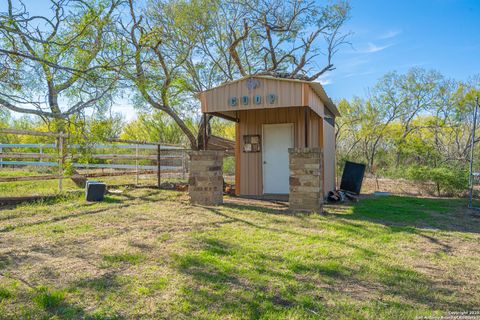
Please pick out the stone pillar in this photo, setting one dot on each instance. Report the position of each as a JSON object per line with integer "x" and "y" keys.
{"x": 306, "y": 179}
{"x": 205, "y": 183}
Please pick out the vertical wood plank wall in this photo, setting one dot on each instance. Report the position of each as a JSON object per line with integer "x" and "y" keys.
{"x": 321, "y": 139}
{"x": 237, "y": 158}
{"x": 292, "y": 98}
{"x": 251, "y": 179}
{"x": 315, "y": 103}
{"x": 329, "y": 156}
{"x": 288, "y": 94}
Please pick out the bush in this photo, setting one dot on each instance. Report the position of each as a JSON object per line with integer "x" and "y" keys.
{"x": 229, "y": 165}
{"x": 448, "y": 180}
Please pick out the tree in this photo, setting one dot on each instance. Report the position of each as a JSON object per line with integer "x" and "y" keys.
{"x": 273, "y": 37}
{"x": 415, "y": 125}
{"x": 418, "y": 91}
{"x": 55, "y": 67}
{"x": 347, "y": 127}
{"x": 158, "y": 52}
{"x": 182, "y": 47}
{"x": 156, "y": 126}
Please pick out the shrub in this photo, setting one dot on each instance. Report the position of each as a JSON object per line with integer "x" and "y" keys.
{"x": 229, "y": 165}
{"x": 448, "y": 180}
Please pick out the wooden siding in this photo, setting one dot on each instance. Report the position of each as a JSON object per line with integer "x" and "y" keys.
{"x": 292, "y": 97}
{"x": 251, "y": 182}
{"x": 315, "y": 103}
{"x": 313, "y": 139}
{"x": 288, "y": 94}
{"x": 329, "y": 156}
{"x": 237, "y": 158}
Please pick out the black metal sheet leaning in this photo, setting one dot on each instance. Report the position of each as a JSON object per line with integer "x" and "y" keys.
{"x": 352, "y": 177}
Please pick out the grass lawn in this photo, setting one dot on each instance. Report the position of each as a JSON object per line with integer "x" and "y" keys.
{"x": 31, "y": 188}
{"x": 149, "y": 254}
{"x": 50, "y": 187}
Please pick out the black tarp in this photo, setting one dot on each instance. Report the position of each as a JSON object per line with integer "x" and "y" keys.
{"x": 352, "y": 177}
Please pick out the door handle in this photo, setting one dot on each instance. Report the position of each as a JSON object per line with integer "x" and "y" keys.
{"x": 264, "y": 162}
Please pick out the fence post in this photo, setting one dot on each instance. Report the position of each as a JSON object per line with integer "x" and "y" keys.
{"x": 184, "y": 165}
{"x": 159, "y": 168}
{"x": 60, "y": 162}
{"x": 136, "y": 164}
{"x": 472, "y": 149}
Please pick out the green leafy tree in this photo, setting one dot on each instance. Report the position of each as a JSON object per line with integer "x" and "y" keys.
{"x": 156, "y": 126}
{"x": 181, "y": 47}
{"x": 57, "y": 66}
{"x": 416, "y": 125}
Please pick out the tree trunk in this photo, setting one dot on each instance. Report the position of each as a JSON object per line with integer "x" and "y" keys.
{"x": 184, "y": 128}
{"x": 191, "y": 137}
{"x": 201, "y": 132}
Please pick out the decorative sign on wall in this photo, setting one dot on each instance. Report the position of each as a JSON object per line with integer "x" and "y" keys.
{"x": 251, "y": 143}
{"x": 232, "y": 102}
{"x": 246, "y": 100}
{"x": 272, "y": 98}
{"x": 253, "y": 83}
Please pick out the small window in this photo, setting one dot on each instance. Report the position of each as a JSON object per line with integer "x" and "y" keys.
{"x": 330, "y": 121}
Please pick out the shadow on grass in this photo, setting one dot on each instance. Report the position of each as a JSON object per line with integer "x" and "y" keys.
{"x": 107, "y": 282}
{"x": 258, "y": 209}
{"x": 409, "y": 214}
{"x": 13, "y": 202}
{"x": 221, "y": 284}
{"x": 119, "y": 202}
{"x": 50, "y": 303}
{"x": 224, "y": 277}
{"x": 231, "y": 218}
{"x": 10, "y": 228}
{"x": 64, "y": 310}
{"x": 265, "y": 284}
{"x": 154, "y": 195}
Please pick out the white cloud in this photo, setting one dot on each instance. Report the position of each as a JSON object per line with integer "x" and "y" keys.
{"x": 411, "y": 65}
{"x": 371, "y": 48}
{"x": 390, "y": 34}
{"x": 357, "y": 74}
{"x": 354, "y": 62}
{"x": 325, "y": 81}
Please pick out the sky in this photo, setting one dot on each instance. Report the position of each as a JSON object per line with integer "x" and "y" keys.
{"x": 391, "y": 35}
{"x": 397, "y": 35}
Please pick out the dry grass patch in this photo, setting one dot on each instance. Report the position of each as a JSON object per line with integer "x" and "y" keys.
{"x": 149, "y": 254}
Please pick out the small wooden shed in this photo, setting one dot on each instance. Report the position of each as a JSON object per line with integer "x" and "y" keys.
{"x": 273, "y": 115}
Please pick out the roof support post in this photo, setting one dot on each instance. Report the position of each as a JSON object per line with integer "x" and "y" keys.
{"x": 307, "y": 123}
{"x": 205, "y": 131}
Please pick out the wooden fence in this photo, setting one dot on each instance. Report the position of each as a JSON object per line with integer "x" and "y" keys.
{"x": 122, "y": 157}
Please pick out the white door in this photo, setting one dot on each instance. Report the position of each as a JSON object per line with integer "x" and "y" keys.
{"x": 277, "y": 138}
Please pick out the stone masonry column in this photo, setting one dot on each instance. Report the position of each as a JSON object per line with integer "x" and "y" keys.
{"x": 205, "y": 183}
{"x": 306, "y": 191}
